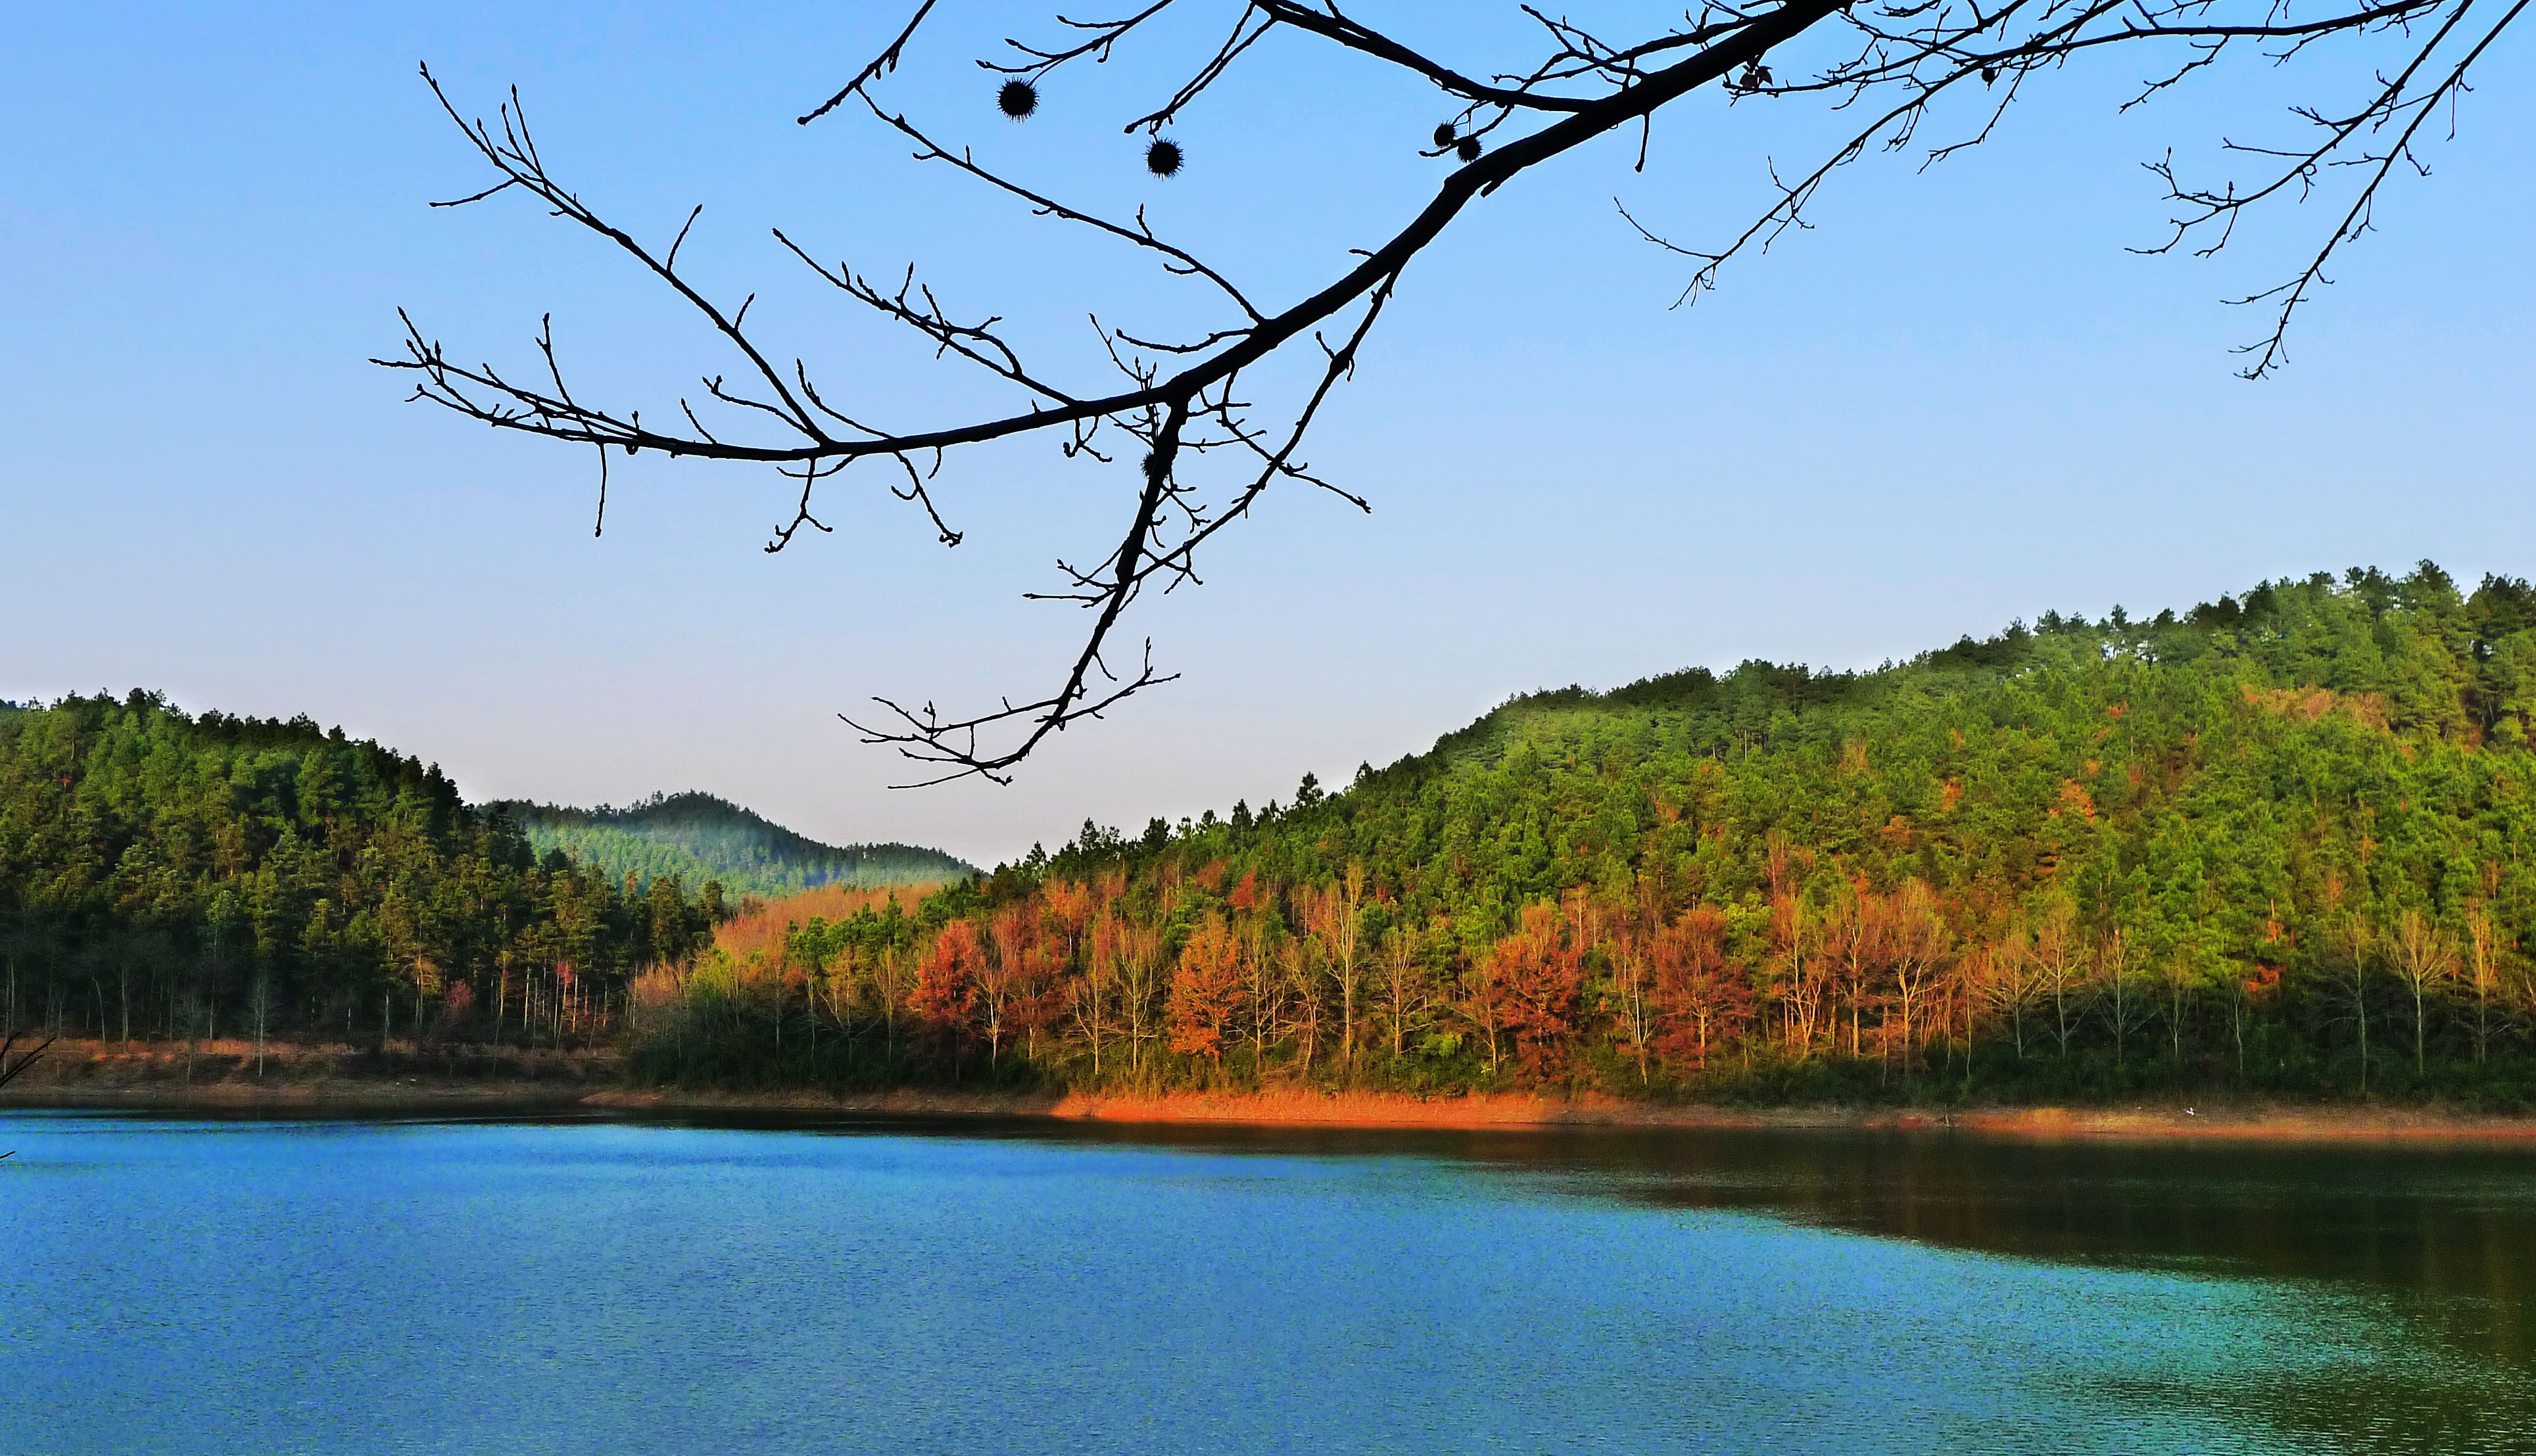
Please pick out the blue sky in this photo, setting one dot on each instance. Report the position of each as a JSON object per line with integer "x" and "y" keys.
{"x": 1956, "y": 400}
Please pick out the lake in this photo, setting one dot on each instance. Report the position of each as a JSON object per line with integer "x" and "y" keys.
{"x": 632, "y": 1286}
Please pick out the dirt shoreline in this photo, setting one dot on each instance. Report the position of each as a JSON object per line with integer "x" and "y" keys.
{"x": 322, "y": 1080}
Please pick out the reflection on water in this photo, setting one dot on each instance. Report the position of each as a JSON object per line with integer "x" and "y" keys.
{"x": 391, "y": 1286}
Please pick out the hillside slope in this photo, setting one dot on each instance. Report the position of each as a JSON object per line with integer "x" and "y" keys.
{"x": 697, "y": 837}
{"x": 2278, "y": 842}
{"x": 178, "y": 876}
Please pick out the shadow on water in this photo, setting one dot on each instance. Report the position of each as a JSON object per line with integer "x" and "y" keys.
{"x": 2424, "y": 1256}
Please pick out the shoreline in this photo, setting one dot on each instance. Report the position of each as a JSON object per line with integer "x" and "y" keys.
{"x": 1519, "y": 1112}
{"x": 343, "y": 1081}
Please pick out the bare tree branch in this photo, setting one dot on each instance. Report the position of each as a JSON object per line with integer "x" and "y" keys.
{"x": 8, "y": 1070}
{"x": 1179, "y": 397}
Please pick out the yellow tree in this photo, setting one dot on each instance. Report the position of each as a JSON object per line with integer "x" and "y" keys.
{"x": 2426, "y": 960}
{"x": 2059, "y": 967}
{"x": 2484, "y": 961}
{"x": 1916, "y": 945}
{"x": 1402, "y": 985}
{"x": 2002, "y": 976}
{"x": 1333, "y": 915}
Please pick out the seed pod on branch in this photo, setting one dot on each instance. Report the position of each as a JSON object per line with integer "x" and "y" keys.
{"x": 1884, "y": 66}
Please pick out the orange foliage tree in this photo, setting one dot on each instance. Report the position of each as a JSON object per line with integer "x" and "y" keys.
{"x": 1699, "y": 996}
{"x": 944, "y": 998}
{"x": 1206, "y": 992}
{"x": 1539, "y": 980}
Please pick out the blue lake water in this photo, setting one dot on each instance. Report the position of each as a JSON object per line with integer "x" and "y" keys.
{"x": 192, "y": 1286}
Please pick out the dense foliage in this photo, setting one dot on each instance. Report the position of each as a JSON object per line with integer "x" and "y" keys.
{"x": 165, "y": 875}
{"x": 2276, "y": 844}
{"x": 697, "y": 837}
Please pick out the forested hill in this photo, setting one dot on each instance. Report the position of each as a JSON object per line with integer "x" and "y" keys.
{"x": 2279, "y": 841}
{"x": 163, "y": 874}
{"x": 2072, "y": 753}
{"x": 698, "y": 837}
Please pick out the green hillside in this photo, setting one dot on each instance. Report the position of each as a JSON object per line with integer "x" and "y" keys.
{"x": 2276, "y": 844}
{"x": 697, "y": 837}
{"x": 170, "y": 875}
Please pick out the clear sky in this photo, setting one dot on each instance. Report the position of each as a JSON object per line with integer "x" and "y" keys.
{"x": 1955, "y": 402}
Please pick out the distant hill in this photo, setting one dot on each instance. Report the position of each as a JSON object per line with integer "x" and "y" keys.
{"x": 698, "y": 837}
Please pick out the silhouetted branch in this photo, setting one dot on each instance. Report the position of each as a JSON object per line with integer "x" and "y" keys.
{"x": 8, "y": 1070}
{"x": 882, "y": 65}
{"x": 1177, "y": 395}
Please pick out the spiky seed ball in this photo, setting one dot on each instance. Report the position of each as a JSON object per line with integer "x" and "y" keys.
{"x": 1467, "y": 148}
{"x": 1017, "y": 99}
{"x": 1443, "y": 134}
{"x": 1163, "y": 158}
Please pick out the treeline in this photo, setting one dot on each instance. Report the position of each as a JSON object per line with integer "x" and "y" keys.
{"x": 698, "y": 837}
{"x": 167, "y": 876}
{"x": 2273, "y": 844}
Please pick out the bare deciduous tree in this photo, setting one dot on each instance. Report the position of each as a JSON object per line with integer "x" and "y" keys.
{"x": 1169, "y": 404}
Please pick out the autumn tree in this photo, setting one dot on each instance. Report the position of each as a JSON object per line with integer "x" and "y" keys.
{"x": 2001, "y": 976}
{"x": 1799, "y": 963}
{"x": 2119, "y": 993}
{"x": 1207, "y": 991}
{"x": 2425, "y": 959}
{"x": 1299, "y": 1000}
{"x": 1919, "y": 947}
{"x": 1855, "y": 950}
{"x": 1333, "y": 914}
{"x": 2358, "y": 948}
{"x": 1630, "y": 994}
{"x": 1699, "y": 993}
{"x": 2061, "y": 965}
{"x": 1402, "y": 984}
{"x": 944, "y": 999}
{"x": 1536, "y": 979}
{"x": 1093, "y": 993}
{"x": 1142, "y": 984}
{"x": 2483, "y": 961}
{"x": 1013, "y": 980}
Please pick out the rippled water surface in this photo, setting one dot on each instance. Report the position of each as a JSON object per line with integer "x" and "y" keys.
{"x": 624, "y": 1287}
